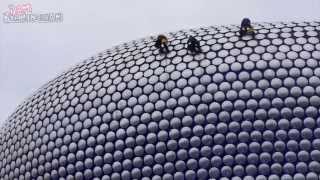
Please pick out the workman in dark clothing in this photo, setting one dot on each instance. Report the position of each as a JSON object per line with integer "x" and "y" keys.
{"x": 193, "y": 45}
{"x": 246, "y": 27}
{"x": 162, "y": 44}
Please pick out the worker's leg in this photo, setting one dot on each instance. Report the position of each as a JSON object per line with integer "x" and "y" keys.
{"x": 199, "y": 48}
{"x": 161, "y": 50}
{"x": 166, "y": 48}
{"x": 190, "y": 47}
{"x": 241, "y": 32}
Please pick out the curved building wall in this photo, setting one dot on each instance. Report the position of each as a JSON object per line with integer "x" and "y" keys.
{"x": 243, "y": 108}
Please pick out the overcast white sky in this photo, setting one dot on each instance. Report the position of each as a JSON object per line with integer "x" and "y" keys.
{"x": 32, "y": 54}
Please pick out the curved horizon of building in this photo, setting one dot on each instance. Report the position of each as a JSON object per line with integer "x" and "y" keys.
{"x": 243, "y": 108}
